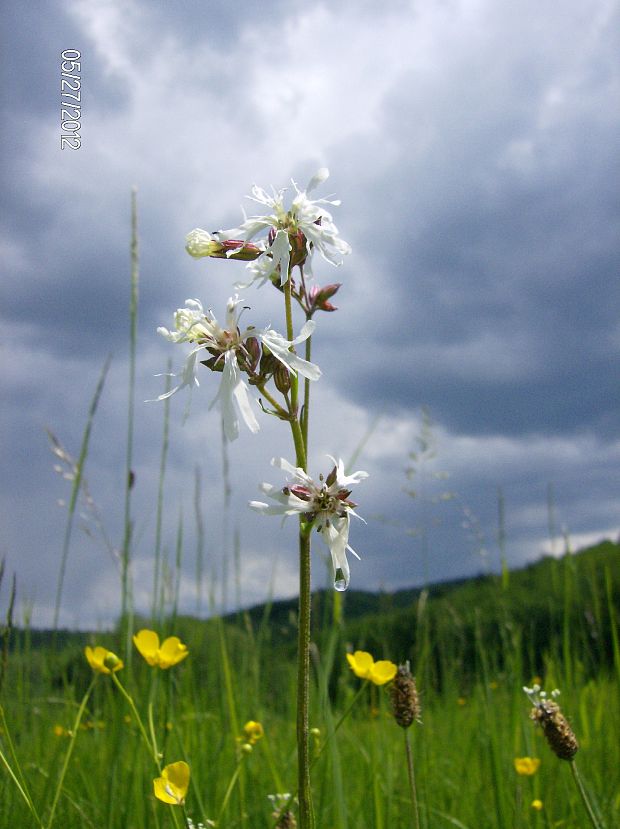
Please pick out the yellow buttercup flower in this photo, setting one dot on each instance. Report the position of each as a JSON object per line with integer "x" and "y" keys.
{"x": 171, "y": 652}
{"x": 172, "y": 786}
{"x": 102, "y": 660}
{"x": 364, "y": 666}
{"x": 252, "y": 732}
{"x": 537, "y": 804}
{"x": 526, "y": 765}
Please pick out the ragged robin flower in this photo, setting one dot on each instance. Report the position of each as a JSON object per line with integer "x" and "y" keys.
{"x": 173, "y": 784}
{"x": 231, "y": 351}
{"x": 325, "y": 504}
{"x": 290, "y": 235}
{"x": 102, "y": 660}
{"x": 171, "y": 652}
{"x": 364, "y": 666}
{"x": 548, "y": 714}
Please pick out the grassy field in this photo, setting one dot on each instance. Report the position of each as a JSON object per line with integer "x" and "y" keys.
{"x": 472, "y": 646}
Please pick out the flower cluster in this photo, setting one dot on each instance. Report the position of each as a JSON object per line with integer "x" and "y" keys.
{"x": 230, "y": 350}
{"x": 325, "y": 505}
{"x": 290, "y": 235}
{"x": 273, "y": 243}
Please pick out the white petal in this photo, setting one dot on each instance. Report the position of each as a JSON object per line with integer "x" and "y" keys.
{"x": 279, "y": 347}
{"x": 281, "y": 251}
{"x": 318, "y": 178}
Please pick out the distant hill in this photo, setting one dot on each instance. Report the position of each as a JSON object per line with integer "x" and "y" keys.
{"x": 533, "y": 609}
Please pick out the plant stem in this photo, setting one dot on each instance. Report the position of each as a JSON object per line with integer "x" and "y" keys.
{"x": 414, "y": 796}
{"x": 126, "y": 606}
{"x": 584, "y": 797}
{"x": 152, "y": 749}
{"x": 306, "y": 812}
{"x": 65, "y": 765}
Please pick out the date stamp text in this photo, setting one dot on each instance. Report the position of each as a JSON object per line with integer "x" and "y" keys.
{"x": 70, "y": 99}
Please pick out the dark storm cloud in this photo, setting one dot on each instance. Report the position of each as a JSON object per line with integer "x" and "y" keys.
{"x": 474, "y": 151}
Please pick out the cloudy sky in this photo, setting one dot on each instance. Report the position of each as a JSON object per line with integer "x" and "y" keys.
{"x": 474, "y": 146}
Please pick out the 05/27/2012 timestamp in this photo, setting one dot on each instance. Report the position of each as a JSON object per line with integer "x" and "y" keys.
{"x": 70, "y": 99}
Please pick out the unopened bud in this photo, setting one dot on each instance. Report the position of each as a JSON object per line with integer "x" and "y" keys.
{"x": 253, "y": 351}
{"x": 299, "y": 248}
{"x": 111, "y": 661}
{"x": 319, "y": 297}
{"x": 282, "y": 379}
{"x": 199, "y": 243}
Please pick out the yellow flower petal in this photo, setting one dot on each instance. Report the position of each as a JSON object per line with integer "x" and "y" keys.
{"x": 382, "y": 672}
{"x": 253, "y": 731}
{"x": 526, "y": 765}
{"x": 100, "y": 658}
{"x": 361, "y": 664}
{"x": 537, "y": 804}
{"x": 172, "y": 652}
{"x": 172, "y": 786}
{"x": 147, "y": 643}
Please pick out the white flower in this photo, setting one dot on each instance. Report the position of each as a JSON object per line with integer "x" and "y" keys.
{"x": 326, "y": 505}
{"x": 306, "y": 215}
{"x": 279, "y": 347}
{"x": 225, "y": 345}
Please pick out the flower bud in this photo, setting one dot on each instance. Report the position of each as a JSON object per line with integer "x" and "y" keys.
{"x": 282, "y": 379}
{"x": 299, "y": 248}
{"x": 111, "y": 661}
{"x": 253, "y": 353}
{"x": 319, "y": 297}
{"x": 199, "y": 243}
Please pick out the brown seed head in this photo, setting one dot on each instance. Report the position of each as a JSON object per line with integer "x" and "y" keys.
{"x": 404, "y": 697}
{"x": 286, "y": 820}
{"x": 556, "y": 729}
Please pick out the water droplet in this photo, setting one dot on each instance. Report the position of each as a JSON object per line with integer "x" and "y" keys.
{"x": 340, "y": 583}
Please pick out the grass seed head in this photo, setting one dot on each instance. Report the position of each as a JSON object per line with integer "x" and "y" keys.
{"x": 404, "y": 697}
{"x": 556, "y": 729}
{"x": 548, "y": 714}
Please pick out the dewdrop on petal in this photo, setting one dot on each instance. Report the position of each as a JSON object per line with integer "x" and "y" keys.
{"x": 404, "y": 697}
{"x": 548, "y": 714}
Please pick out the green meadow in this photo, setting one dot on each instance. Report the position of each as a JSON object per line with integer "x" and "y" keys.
{"x": 77, "y": 745}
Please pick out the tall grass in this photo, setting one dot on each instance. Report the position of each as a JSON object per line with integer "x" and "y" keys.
{"x": 472, "y": 729}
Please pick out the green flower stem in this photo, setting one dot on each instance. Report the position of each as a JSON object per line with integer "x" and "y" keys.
{"x": 16, "y": 776}
{"x": 330, "y": 737}
{"x": 306, "y": 812}
{"x": 65, "y": 765}
{"x": 152, "y": 748}
{"x": 229, "y": 790}
{"x": 151, "y": 744}
{"x": 415, "y": 820}
{"x": 276, "y": 406}
{"x": 306, "y": 408}
{"x": 290, "y": 336}
{"x": 584, "y": 796}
